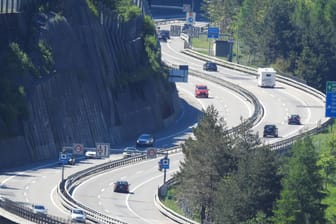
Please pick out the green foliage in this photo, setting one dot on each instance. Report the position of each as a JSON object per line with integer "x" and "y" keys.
{"x": 200, "y": 172}
{"x": 153, "y": 53}
{"x": 225, "y": 178}
{"x": 251, "y": 189}
{"x": 20, "y": 62}
{"x": 302, "y": 193}
{"x": 148, "y": 26}
{"x": 92, "y": 4}
{"x": 327, "y": 162}
{"x": 47, "y": 60}
{"x": 125, "y": 8}
{"x": 296, "y": 37}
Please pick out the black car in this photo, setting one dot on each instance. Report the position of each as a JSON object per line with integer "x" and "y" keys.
{"x": 121, "y": 186}
{"x": 163, "y": 35}
{"x": 294, "y": 119}
{"x": 210, "y": 66}
{"x": 270, "y": 130}
{"x": 145, "y": 140}
{"x": 186, "y": 28}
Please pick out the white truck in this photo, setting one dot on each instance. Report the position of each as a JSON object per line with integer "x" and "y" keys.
{"x": 266, "y": 77}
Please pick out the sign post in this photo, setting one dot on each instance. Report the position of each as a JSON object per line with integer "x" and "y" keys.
{"x": 330, "y": 110}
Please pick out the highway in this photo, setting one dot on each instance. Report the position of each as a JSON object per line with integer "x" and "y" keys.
{"x": 38, "y": 185}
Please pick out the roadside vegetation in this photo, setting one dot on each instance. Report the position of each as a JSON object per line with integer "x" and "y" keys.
{"x": 295, "y": 37}
{"x": 233, "y": 178}
{"x": 125, "y": 8}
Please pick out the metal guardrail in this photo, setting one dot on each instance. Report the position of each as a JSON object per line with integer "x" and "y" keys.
{"x": 26, "y": 213}
{"x": 66, "y": 188}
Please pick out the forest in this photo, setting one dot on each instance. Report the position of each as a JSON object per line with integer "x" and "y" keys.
{"x": 234, "y": 178}
{"x": 296, "y": 37}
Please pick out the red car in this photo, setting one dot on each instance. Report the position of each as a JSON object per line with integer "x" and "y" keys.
{"x": 201, "y": 91}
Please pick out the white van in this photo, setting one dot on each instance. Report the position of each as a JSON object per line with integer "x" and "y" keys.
{"x": 266, "y": 77}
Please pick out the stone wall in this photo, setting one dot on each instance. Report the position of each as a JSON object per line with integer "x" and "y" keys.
{"x": 86, "y": 99}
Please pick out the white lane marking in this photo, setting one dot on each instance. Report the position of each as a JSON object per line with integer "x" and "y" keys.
{"x": 53, "y": 201}
{"x": 136, "y": 187}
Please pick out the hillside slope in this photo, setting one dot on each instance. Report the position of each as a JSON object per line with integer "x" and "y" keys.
{"x": 97, "y": 90}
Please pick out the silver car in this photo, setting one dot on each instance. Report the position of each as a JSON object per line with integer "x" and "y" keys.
{"x": 130, "y": 151}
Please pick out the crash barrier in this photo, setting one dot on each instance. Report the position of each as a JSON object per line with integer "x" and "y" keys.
{"x": 21, "y": 210}
{"x": 281, "y": 147}
{"x": 66, "y": 187}
{"x": 178, "y": 218}
{"x": 258, "y": 109}
{"x": 253, "y": 71}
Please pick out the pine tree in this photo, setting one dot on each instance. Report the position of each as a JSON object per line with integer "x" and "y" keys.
{"x": 207, "y": 159}
{"x": 301, "y": 196}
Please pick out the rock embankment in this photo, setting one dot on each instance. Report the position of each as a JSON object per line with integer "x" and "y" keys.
{"x": 88, "y": 98}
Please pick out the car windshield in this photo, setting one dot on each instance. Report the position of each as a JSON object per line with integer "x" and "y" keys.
{"x": 78, "y": 211}
{"x": 39, "y": 207}
{"x": 145, "y": 136}
{"x": 269, "y": 126}
{"x": 202, "y": 87}
{"x": 122, "y": 182}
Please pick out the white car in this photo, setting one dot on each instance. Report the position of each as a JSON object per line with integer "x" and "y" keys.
{"x": 130, "y": 151}
{"x": 78, "y": 215}
{"x": 39, "y": 209}
{"x": 90, "y": 154}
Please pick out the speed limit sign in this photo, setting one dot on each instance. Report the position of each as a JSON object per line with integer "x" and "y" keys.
{"x": 78, "y": 149}
{"x": 151, "y": 153}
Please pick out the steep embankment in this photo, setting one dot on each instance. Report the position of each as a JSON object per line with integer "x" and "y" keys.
{"x": 89, "y": 97}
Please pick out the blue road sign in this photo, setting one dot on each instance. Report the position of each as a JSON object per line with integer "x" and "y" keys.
{"x": 63, "y": 158}
{"x": 213, "y": 32}
{"x": 330, "y": 110}
{"x": 165, "y": 163}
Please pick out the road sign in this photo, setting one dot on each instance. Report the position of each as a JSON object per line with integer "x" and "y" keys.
{"x": 330, "y": 110}
{"x": 165, "y": 163}
{"x": 78, "y": 149}
{"x": 102, "y": 150}
{"x": 63, "y": 157}
{"x": 178, "y": 75}
{"x": 151, "y": 153}
{"x": 213, "y": 32}
{"x": 190, "y": 17}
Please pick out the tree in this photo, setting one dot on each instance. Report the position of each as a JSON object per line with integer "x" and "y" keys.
{"x": 327, "y": 161}
{"x": 247, "y": 194}
{"x": 301, "y": 196}
{"x": 207, "y": 159}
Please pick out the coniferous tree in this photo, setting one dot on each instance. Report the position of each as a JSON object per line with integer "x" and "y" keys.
{"x": 247, "y": 194}
{"x": 207, "y": 160}
{"x": 301, "y": 196}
